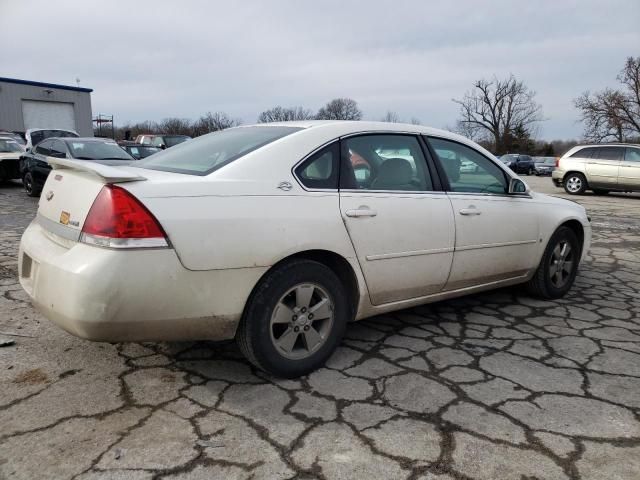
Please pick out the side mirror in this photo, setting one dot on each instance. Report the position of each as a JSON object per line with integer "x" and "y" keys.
{"x": 163, "y": 146}
{"x": 517, "y": 187}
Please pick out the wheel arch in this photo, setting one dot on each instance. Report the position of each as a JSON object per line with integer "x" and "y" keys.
{"x": 334, "y": 261}
{"x": 577, "y": 228}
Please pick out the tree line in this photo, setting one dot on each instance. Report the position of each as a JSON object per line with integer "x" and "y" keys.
{"x": 501, "y": 114}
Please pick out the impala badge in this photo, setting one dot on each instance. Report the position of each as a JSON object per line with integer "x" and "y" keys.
{"x": 286, "y": 186}
{"x": 49, "y": 195}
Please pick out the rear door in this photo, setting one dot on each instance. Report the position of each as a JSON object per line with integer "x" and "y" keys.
{"x": 630, "y": 169}
{"x": 400, "y": 224}
{"x": 603, "y": 168}
{"x": 496, "y": 233}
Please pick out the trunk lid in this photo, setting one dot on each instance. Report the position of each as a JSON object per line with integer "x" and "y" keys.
{"x": 70, "y": 190}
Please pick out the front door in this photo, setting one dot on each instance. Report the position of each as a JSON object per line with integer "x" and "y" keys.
{"x": 402, "y": 229}
{"x": 603, "y": 166}
{"x": 496, "y": 235}
{"x": 630, "y": 169}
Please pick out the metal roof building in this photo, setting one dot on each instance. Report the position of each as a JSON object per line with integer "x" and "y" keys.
{"x": 26, "y": 104}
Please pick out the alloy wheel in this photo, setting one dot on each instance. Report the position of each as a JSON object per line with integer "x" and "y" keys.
{"x": 301, "y": 321}
{"x": 561, "y": 264}
{"x": 574, "y": 184}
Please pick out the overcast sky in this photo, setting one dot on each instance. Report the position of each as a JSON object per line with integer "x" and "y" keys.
{"x": 155, "y": 59}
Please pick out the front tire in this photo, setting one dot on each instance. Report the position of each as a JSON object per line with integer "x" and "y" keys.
{"x": 294, "y": 319}
{"x": 575, "y": 183}
{"x": 559, "y": 266}
{"x": 29, "y": 185}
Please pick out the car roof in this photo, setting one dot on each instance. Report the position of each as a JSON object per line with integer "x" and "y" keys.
{"x": 612, "y": 144}
{"x": 85, "y": 139}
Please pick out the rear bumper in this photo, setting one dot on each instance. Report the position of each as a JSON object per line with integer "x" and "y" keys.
{"x": 557, "y": 176}
{"x": 137, "y": 295}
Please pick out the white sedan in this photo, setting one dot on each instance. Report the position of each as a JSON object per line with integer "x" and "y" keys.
{"x": 279, "y": 234}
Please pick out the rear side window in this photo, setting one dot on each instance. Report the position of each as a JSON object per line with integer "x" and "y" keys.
{"x": 321, "y": 169}
{"x": 632, "y": 154}
{"x": 609, "y": 153}
{"x": 583, "y": 153}
{"x": 208, "y": 153}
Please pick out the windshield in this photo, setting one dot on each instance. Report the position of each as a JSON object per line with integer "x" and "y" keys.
{"x": 208, "y": 153}
{"x": 95, "y": 150}
{"x": 7, "y": 145}
{"x": 171, "y": 140}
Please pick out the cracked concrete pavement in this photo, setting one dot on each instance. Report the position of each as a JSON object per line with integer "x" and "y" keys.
{"x": 493, "y": 386}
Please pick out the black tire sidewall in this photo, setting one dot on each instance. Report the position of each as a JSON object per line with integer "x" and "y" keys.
{"x": 581, "y": 177}
{"x": 563, "y": 233}
{"x": 28, "y": 180}
{"x": 258, "y": 315}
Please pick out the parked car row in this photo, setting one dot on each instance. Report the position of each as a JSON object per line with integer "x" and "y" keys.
{"x": 27, "y": 158}
{"x": 35, "y": 168}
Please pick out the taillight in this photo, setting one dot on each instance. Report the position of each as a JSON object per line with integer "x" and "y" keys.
{"x": 557, "y": 162}
{"x": 117, "y": 219}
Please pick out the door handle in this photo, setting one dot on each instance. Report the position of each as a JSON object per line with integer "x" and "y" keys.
{"x": 361, "y": 212}
{"x": 471, "y": 210}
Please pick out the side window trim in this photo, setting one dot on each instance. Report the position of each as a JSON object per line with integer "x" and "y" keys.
{"x": 442, "y": 173}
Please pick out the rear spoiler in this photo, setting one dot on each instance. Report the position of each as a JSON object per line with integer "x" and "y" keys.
{"x": 108, "y": 173}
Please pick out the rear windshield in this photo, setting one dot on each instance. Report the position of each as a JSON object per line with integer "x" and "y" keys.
{"x": 96, "y": 150}
{"x": 173, "y": 140}
{"x": 7, "y": 145}
{"x": 208, "y": 153}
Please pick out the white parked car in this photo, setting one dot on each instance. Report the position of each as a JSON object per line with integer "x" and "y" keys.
{"x": 264, "y": 233}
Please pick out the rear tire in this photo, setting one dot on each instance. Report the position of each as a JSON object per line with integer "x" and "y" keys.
{"x": 558, "y": 268}
{"x": 575, "y": 183}
{"x": 29, "y": 185}
{"x": 278, "y": 332}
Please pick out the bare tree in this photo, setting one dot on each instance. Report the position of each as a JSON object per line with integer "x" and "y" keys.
{"x": 613, "y": 114}
{"x": 497, "y": 108}
{"x": 212, "y": 122}
{"x": 415, "y": 121}
{"x": 391, "y": 117}
{"x": 284, "y": 114}
{"x": 340, "y": 109}
{"x": 175, "y": 126}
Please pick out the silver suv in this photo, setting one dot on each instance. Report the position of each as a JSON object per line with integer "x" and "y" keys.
{"x": 601, "y": 168}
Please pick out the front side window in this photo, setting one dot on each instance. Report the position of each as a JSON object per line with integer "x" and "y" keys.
{"x": 468, "y": 170}
{"x": 321, "y": 169}
{"x": 632, "y": 154}
{"x": 58, "y": 150}
{"x": 384, "y": 163}
{"x": 609, "y": 153}
{"x": 208, "y": 153}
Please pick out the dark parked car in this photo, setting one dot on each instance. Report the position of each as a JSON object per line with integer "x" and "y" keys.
{"x": 519, "y": 163}
{"x": 35, "y": 169}
{"x": 544, "y": 165}
{"x": 161, "y": 140}
{"x": 137, "y": 150}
